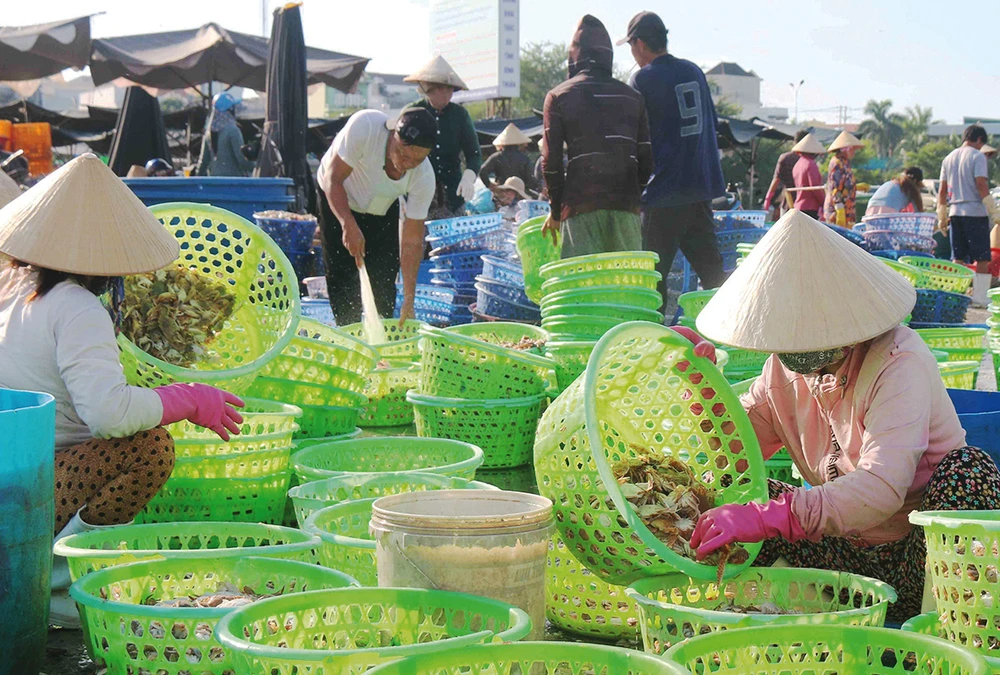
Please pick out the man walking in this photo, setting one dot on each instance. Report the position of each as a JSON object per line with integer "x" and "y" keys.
{"x": 602, "y": 121}
{"x": 966, "y": 208}
{"x": 687, "y": 174}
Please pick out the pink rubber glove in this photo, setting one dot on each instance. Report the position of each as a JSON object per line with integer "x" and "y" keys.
{"x": 702, "y": 347}
{"x": 747, "y": 524}
{"x": 202, "y": 405}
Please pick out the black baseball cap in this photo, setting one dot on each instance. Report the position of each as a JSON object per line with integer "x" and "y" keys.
{"x": 644, "y": 24}
{"x": 417, "y": 126}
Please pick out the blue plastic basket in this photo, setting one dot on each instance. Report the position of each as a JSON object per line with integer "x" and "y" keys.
{"x": 289, "y": 235}
{"x": 494, "y": 240}
{"x": 438, "y": 305}
{"x": 508, "y": 292}
{"x": 730, "y": 220}
{"x": 896, "y": 255}
{"x": 850, "y": 235}
{"x": 918, "y": 224}
{"x": 318, "y": 309}
{"x": 242, "y": 196}
{"x": 887, "y": 240}
{"x": 450, "y": 276}
{"x": 682, "y": 278}
{"x": 463, "y": 226}
{"x": 531, "y": 208}
{"x": 728, "y": 240}
{"x": 460, "y": 288}
{"x": 467, "y": 261}
{"x": 940, "y": 307}
{"x": 498, "y": 269}
{"x": 491, "y": 304}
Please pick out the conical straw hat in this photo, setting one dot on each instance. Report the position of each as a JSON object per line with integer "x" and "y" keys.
{"x": 516, "y": 184}
{"x": 809, "y": 145}
{"x": 437, "y": 71}
{"x": 82, "y": 219}
{"x": 805, "y": 288}
{"x": 9, "y": 191}
{"x": 987, "y": 149}
{"x": 845, "y": 140}
{"x": 511, "y": 135}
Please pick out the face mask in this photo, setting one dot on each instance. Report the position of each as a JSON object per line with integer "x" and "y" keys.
{"x": 811, "y": 362}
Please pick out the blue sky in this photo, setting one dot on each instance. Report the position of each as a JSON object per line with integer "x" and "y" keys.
{"x": 847, "y": 51}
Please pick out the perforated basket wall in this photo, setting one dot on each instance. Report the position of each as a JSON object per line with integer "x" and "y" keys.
{"x": 226, "y": 247}
{"x": 963, "y": 554}
{"x": 624, "y": 277}
{"x": 503, "y": 428}
{"x": 645, "y": 388}
{"x": 959, "y": 374}
{"x": 386, "y": 391}
{"x": 257, "y": 457}
{"x": 260, "y": 418}
{"x": 621, "y": 313}
{"x": 326, "y": 421}
{"x": 345, "y": 542}
{"x": 564, "y": 327}
{"x": 912, "y": 274}
{"x": 502, "y": 333}
{"x": 810, "y": 649}
{"x": 320, "y": 354}
{"x": 102, "y": 548}
{"x": 952, "y": 338}
{"x": 305, "y": 394}
{"x": 403, "y": 344}
{"x": 930, "y": 624}
{"x": 243, "y": 500}
{"x": 535, "y": 249}
{"x": 578, "y": 602}
{"x": 623, "y": 260}
{"x": 633, "y": 296}
{"x": 673, "y": 608}
{"x": 387, "y": 453}
{"x": 348, "y": 631}
{"x": 455, "y": 365}
{"x": 942, "y": 275}
{"x": 130, "y": 636}
{"x": 570, "y": 359}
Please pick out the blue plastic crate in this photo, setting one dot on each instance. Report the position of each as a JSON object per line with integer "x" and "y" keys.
{"x": 917, "y": 224}
{"x": 463, "y": 226}
{"x": 531, "y": 208}
{"x": 460, "y": 288}
{"x": 730, "y": 238}
{"x": 242, "y": 196}
{"x": 850, "y": 235}
{"x": 896, "y": 255}
{"x": 318, "y": 309}
{"x": 493, "y": 240}
{"x": 468, "y": 260}
{"x": 737, "y": 220}
{"x": 887, "y": 240}
{"x": 940, "y": 307}
{"x": 450, "y": 276}
{"x": 288, "y": 234}
{"x": 506, "y": 271}
{"x": 509, "y": 292}
{"x": 491, "y": 304}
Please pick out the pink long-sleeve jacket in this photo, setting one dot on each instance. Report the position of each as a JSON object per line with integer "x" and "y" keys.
{"x": 868, "y": 438}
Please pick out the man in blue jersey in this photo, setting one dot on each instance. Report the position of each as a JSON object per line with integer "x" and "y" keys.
{"x": 687, "y": 174}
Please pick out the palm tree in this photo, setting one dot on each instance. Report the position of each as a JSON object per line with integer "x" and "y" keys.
{"x": 884, "y": 128}
{"x": 915, "y": 127}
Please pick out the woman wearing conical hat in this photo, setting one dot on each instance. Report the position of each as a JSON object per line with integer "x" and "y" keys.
{"x": 509, "y": 161}
{"x": 841, "y": 188}
{"x": 457, "y": 139}
{"x": 858, "y": 402}
{"x": 71, "y": 238}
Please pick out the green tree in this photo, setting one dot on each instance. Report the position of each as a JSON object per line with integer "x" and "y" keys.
{"x": 915, "y": 126}
{"x": 883, "y": 127}
{"x": 930, "y": 155}
{"x": 543, "y": 66}
{"x": 736, "y": 169}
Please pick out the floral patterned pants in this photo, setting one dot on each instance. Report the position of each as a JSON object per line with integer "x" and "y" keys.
{"x": 966, "y": 480}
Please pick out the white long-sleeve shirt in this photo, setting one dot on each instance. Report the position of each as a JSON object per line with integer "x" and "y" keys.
{"x": 63, "y": 344}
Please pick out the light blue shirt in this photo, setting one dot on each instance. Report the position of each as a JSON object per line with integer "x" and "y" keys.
{"x": 890, "y": 195}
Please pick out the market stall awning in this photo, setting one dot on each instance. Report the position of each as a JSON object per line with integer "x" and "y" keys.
{"x": 211, "y": 53}
{"x": 34, "y": 52}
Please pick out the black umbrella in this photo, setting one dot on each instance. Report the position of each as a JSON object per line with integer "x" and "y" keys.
{"x": 283, "y": 144}
{"x": 140, "y": 134}
{"x": 33, "y": 52}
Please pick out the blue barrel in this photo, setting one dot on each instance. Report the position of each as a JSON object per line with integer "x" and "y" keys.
{"x": 27, "y": 517}
{"x": 242, "y": 196}
{"x": 979, "y": 412}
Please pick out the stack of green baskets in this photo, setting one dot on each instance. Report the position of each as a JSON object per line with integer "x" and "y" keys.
{"x": 574, "y": 289}
{"x": 244, "y": 479}
{"x": 742, "y": 364}
{"x": 941, "y": 275}
{"x": 914, "y": 275}
{"x": 570, "y": 359}
{"x": 644, "y": 388}
{"x": 673, "y": 608}
{"x": 324, "y": 371}
{"x": 402, "y": 342}
{"x": 964, "y": 564}
{"x": 810, "y": 649}
{"x": 128, "y": 633}
{"x": 346, "y": 544}
{"x": 229, "y": 248}
{"x": 963, "y": 347}
{"x": 394, "y": 375}
{"x": 353, "y": 629}
{"x": 475, "y": 388}
{"x": 993, "y": 334}
{"x": 535, "y": 249}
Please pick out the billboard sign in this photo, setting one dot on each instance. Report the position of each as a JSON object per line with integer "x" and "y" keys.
{"x": 479, "y": 39}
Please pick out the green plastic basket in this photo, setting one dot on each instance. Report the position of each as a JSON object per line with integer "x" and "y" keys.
{"x": 345, "y": 541}
{"x": 962, "y": 554}
{"x": 930, "y": 624}
{"x": 570, "y": 359}
{"x": 534, "y": 658}
{"x": 811, "y": 649}
{"x": 577, "y": 602}
{"x": 744, "y": 359}
{"x": 642, "y": 278}
{"x": 347, "y": 631}
{"x": 673, "y": 608}
{"x": 386, "y": 391}
{"x": 129, "y": 636}
{"x": 327, "y": 421}
{"x": 457, "y": 365}
{"x": 389, "y": 454}
{"x": 402, "y": 344}
{"x": 226, "y": 247}
{"x": 321, "y": 354}
{"x": 499, "y": 332}
{"x": 564, "y": 327}
{"x": 311, "y": 497}
{"x": 643, "y": 386}
{"x": 305, "y": 393}
{"x": 620, "y": 312}
{"x": 125, "y": 544}
{"x": 912, "y": 274}
{"x": 693, "y": 302}
{"x": 249, "y": 457}
{"x": 780, "y": 469}
{"x": 959, "y": 374}
{"x": 245, "y": 500}
{"x": 600, "y": 262}
{"x": 260, "y": 418}
{"x": 942, "y": 275}
{"x": 947, "y": 339}
{"x": 535, "y": 250}
{"x": 632, "y": 296}
{"x": 518, "y": 479}
{"x": 504, "y": 428}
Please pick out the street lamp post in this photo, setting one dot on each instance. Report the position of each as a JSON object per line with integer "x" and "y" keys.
{"x": 795, "y": 88}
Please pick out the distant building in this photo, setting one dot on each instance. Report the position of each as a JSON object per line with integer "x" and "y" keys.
{"x": 729, "y": 82}
{"x": 948, "y": 130}
{"x": 378, "y": 91}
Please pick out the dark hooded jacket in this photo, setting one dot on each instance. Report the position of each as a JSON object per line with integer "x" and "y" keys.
{"x": 603, "y": 123}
